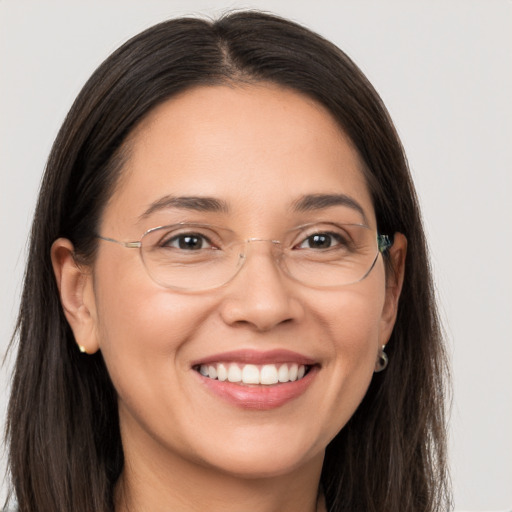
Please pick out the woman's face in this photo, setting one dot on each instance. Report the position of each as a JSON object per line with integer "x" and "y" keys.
{"x": 258, "y": 151}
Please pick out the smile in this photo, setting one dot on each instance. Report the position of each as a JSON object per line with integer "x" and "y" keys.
{"x": 250, "y": 379}
{"x": 267, "y": 374}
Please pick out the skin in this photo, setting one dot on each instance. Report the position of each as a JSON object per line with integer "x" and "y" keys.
{"x": 258, "y": 148}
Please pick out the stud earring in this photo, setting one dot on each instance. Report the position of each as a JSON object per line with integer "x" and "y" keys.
{"x": 82, "y": 349}
{"x": 382, "y": 360}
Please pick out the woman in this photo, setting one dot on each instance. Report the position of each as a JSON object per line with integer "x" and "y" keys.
{"x": 226, "y": 253}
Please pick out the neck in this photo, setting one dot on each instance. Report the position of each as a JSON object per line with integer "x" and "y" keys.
{"x": 158, "y": 482}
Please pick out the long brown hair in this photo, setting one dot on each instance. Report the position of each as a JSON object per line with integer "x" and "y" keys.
{"x": 65, "y": 451}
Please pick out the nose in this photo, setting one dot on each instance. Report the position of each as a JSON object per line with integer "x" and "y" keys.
{"x": 260, "y": 295}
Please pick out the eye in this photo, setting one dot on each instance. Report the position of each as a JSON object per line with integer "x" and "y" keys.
{"x": 188, "y": 242}
{"x": 321, "y": 241}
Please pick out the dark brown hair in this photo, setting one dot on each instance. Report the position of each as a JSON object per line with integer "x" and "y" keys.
{"x": 65, "y": 451}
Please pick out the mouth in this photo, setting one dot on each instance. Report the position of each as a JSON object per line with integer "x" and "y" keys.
{"x": 252, "y": 374}
{"x": 255, "y": 380}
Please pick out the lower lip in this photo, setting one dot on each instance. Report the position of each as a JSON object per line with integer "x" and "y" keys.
{"x": 259, "y": 397}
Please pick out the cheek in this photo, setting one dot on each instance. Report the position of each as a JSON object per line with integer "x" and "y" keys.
{"x": 352, "y": 318}
{"x": 142, "y": 328}
{"x": 351, "y": 324}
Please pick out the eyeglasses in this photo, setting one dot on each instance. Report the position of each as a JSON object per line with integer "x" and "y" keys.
{"x": 198, "y": 257}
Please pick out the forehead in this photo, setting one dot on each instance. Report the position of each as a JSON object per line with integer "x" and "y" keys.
{"x": 255, "y": 147}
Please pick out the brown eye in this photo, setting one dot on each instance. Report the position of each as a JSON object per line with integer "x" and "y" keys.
{"x": 320, "y": 241}
{"x": 188, "y": 242}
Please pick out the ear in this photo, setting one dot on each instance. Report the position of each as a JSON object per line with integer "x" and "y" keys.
{"x": 76, "y": 295}
{"x": 394, "y": 282}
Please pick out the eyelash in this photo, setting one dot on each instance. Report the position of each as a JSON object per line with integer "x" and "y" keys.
{"x": 333, "y": 237}
{"x": 176, "y": 238}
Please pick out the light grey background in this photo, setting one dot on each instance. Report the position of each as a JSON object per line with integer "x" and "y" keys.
{"x": 443, "y": 69}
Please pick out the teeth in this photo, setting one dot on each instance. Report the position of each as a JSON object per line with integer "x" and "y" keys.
{"x": 222, "y": 373}
{"x": 250, "y": 374}
{"x": 294, "y": 368}
{"x": 212, "y": 372}
{"x": 283, "y": 375}
{"x": 267, "y": 374}
{"x": 234, "y": 373}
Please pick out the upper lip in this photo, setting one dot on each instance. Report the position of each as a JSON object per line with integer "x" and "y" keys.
{"x": 256, "y": 357}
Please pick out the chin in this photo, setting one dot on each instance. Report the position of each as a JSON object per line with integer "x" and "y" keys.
{"x": 263, "y": 456}
{"x": 264, "y": 466}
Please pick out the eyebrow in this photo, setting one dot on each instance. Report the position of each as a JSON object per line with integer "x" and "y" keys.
{"x": 194, "y": 203}
{"x": 313, "y": 202}
{"x": 306, "y": 203}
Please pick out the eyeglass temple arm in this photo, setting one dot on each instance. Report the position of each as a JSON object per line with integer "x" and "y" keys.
{"x": 130, "y": 245}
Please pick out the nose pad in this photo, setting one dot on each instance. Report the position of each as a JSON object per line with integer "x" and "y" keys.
{"x": 260, "y": 294}
{"x": 276, "y": 255}
{"x": 275, "y": 247}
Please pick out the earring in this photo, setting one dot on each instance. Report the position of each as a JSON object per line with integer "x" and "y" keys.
{"x": 82, "y": 349}
{"x": 382, "y": 360}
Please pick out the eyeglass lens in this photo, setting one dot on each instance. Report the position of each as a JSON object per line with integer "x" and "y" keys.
{"x": 201, "y": 257}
